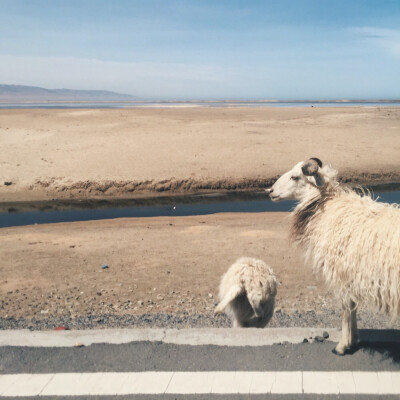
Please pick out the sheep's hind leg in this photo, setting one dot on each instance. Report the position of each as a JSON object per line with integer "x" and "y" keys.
{"x": 349, "y": 329}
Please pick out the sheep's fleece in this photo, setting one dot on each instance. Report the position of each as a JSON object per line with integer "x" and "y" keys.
{"x": 350, "y": 238}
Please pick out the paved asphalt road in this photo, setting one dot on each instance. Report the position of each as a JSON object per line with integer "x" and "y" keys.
{"x": 310, "y": 366}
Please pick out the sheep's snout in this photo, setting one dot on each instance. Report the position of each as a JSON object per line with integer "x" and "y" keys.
{"x": 270, "y": 191}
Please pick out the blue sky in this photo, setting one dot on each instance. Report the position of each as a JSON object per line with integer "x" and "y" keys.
{"x": 168, "y": 49}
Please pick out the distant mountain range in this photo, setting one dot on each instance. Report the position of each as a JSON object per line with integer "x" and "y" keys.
{"x": 20, "y": 93}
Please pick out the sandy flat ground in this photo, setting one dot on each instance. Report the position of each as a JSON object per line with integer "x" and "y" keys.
{"x": 51, "y": 274}
{"x": 130, "y": 152}
{"x": 167, "y": 265}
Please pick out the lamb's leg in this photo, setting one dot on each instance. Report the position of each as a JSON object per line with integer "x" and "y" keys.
{"x": 236, "y": 323}
{"x": 255, "y": 302}
{"x": 349, "y": 328}
{"x": 233, "y": 292}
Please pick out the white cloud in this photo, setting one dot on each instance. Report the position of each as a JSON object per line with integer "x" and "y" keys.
{"x": 143, "y": 79}
{"x": 388, "y": 39}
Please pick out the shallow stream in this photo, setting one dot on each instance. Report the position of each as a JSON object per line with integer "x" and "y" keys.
{"x": 28, "y": 213}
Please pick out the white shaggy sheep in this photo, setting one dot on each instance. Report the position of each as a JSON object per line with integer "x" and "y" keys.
{"x": 352, "y": 239}
{"x": 247, "y": 293}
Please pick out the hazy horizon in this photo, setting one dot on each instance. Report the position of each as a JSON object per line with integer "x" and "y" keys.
{"x": 208, "y": 50}
{"x": 137, "y": 99}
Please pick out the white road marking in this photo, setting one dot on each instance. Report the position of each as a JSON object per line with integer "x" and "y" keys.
{"x": 152, "y": 382}
{"x": 262, "y": 382}
{"x": 366, "y": 383}
{"x": 345, "y": 382}
{"x": 222, "y": 382}
{"x": 287, "y": 382}
{"x": 110, "y": 385}
{"x": 229, "y": 382}
{"x": 320, "y": 382}
{"x": 182, "y": 382}
{"x": 10, "y": 385}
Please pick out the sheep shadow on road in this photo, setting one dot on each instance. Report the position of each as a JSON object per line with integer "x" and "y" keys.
{"x": 379, "y": 341}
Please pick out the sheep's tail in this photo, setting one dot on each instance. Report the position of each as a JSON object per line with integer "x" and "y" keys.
{"x": 233, "y": 292}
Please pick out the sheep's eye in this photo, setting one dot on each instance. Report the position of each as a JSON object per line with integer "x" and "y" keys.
{"x": 295, "y": 178}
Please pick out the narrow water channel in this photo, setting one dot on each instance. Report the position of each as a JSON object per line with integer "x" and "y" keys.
{"x": 21, "y": 213}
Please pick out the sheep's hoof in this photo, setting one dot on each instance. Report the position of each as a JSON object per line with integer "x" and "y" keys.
{"x": 334, "y": 351}
{"x": 339, "y": 350}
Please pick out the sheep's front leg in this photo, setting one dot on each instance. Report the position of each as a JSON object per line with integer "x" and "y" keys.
{"x": 353, "y": 328}
{"x": 349, "y": 328}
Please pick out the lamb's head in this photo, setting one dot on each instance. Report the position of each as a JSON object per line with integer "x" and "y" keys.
{"x": 302, "y": 181}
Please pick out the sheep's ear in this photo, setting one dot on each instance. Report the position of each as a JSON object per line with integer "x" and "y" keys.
{"x": 311, "y": 166}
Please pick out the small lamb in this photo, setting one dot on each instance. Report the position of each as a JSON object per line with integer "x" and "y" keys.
{"x": 247, "y": 292}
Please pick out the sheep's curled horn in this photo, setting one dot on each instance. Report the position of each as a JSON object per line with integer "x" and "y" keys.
{"x": 311, "y": 166}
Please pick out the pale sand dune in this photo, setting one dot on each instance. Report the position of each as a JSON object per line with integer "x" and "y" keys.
{"x": 130, "y": 152}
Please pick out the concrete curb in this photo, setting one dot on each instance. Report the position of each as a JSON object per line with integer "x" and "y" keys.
{"x": 234, "y": 337}
{"x": 195, "y": 337}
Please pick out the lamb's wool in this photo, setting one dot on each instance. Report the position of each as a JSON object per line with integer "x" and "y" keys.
{"x": 247, "y": 293}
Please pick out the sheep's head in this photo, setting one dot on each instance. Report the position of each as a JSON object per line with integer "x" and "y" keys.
{"x": 300, "y": 182}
